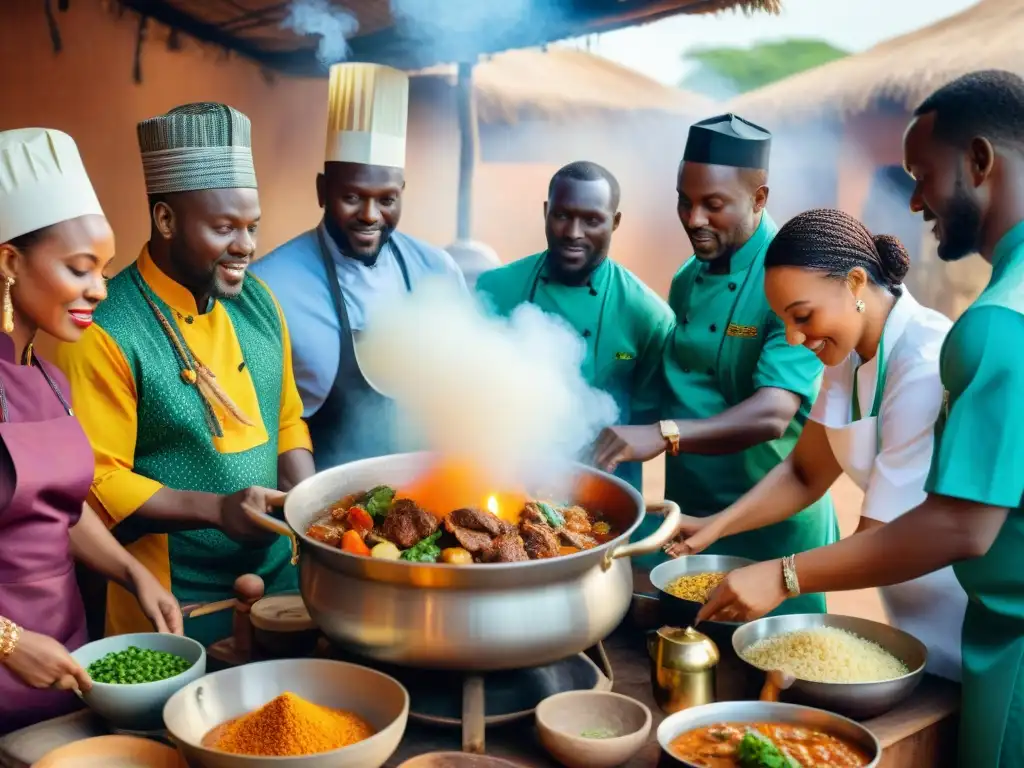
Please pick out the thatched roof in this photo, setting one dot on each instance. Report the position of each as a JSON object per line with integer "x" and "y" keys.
{"x": 565, "y": 82}
{"x": 422, "y": 35}
{"x": 902, "y": 71}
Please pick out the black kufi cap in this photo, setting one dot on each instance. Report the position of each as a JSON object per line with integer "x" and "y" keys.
{"x": 728, "y": 140}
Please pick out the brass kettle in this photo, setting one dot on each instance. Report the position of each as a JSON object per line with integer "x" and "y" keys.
{"x": 683, "y": 664}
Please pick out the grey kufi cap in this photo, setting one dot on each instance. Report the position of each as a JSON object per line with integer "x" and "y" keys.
{"x": 197, "y": 146}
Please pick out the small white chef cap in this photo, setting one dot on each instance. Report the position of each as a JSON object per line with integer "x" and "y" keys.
{"x": 42, "y": 181}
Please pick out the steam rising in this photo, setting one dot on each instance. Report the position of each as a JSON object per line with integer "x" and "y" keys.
{"x": 505, "y": 395}
{"x": 332, "y": 24}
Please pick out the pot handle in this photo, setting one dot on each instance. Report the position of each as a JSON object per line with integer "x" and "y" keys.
{"x": 656, "y": 540}
{"x": 281, "y": 528}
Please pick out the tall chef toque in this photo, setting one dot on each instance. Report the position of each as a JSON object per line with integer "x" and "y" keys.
{"x": 367, "y": 115}
{"x": 728, "y": 140}
{"x": 42, "y": 182}
{"x": 197, "y": 146}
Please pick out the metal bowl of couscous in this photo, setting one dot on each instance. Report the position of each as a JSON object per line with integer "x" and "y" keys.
{"x": 854, "y": 667}
{"x": 685, "y": 583}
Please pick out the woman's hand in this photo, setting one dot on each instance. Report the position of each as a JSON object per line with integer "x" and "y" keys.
{"x": 628, "y": 443}
{"x": 695, "y": 535}
{"x": 746, "y": 594}
{"x": 41, "y": 662}
{"x": 156, "y": 602}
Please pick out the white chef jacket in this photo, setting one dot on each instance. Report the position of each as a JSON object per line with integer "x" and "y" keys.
{"x": 930, "y": 608}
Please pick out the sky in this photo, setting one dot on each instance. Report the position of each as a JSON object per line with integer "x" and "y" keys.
{"x": 853, "y": 25}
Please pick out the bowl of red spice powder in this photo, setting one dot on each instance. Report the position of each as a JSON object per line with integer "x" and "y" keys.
{"x": 301, "y": 713}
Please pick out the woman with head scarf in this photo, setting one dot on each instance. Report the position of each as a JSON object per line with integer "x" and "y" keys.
{"x": 839, "y": 290}
{"x": 54, "y": 245}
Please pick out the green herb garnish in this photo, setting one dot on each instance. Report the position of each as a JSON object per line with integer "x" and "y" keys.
{"x": 552, "y": 515}
{"x": 424, "y": 550}
{"x": 377, "y": 502}
{"x": 757, "y": 751}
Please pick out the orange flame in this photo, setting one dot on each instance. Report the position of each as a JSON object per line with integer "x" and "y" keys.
{"x": 452, "y": 485}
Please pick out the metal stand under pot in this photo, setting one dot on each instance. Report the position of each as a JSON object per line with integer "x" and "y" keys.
{"x": 277, "y": 627}
{"x": 491, "y": 698}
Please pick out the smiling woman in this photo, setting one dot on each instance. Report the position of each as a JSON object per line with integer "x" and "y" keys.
{"x": 839, "y": 290}
{"x": 56, "y": 276}
{"x": 54, "y": 245}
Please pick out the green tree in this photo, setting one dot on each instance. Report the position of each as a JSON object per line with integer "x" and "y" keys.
{"x": 727, "y": 71}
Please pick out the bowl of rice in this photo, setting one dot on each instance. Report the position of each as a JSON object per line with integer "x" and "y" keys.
{"x": 854, "y": 667}
{"x": 685, "y": 583}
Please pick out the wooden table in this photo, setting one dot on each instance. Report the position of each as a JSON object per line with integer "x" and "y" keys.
{"x": 919, "y": 733}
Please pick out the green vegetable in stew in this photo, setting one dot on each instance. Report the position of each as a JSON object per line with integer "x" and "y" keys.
{"x": 378, "y": 501}
{"x": 758, "y": 751}
{"x": 552, "y": 515}
{"x": 424, "y": 550}
{"x": 136, "y": 665}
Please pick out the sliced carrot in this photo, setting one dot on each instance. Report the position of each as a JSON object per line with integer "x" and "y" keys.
{"x": 353, "y": 542}
{"x": 359, "y": 519}
{"x": 568, "y": 550}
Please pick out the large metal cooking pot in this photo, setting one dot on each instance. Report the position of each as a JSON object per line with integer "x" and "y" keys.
{"x": 469, "y": 617}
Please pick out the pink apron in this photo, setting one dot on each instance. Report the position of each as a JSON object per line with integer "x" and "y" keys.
{"x": 52, "y": 465}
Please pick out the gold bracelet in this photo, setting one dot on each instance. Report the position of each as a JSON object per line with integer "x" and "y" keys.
{"x": 789, "y": 576}
{"x": 11, "y": 635}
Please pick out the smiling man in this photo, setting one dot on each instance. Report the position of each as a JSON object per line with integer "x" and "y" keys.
{"x": 737, "y": 394}
{"x": 331, "y": 278}
{"x": 624, "y": 324}
{"x": 184, "y": 382}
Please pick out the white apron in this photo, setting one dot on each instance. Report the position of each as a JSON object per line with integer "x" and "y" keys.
{"x": 930, "y": 608}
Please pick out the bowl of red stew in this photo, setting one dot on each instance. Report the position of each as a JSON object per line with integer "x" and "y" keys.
{"x": 746, "y": 734}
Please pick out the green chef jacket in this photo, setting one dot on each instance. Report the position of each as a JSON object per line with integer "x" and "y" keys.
{"x": 979, "y": 457}
{"x": 624, "y": 323}
{"x": 726, "y": 345}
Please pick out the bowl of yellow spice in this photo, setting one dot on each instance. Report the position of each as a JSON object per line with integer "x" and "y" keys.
{"x": 289, "y": 713}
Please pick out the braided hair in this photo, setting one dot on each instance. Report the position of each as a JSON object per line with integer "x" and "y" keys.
{"x": 835, "y": 243}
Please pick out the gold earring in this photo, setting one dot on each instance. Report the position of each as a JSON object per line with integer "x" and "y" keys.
{"x": 8, "y": 316}
{"x": 859, "y": 304}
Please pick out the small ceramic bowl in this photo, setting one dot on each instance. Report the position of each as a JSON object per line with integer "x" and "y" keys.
{"x": 139, "y": 706}
{"x": 592, "y": 729}
{"x": 456, "y": 760}
{"x": 112, "y": 752}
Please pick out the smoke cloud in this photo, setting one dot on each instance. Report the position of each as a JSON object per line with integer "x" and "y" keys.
{"x": 333, "y": 25}
{"x": 460, "y": 30}
{"x": 506, "y": 395}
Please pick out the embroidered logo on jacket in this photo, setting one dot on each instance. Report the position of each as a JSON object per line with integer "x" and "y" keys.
{"x": 741, "y": 331}
{"x": 623, "y": 356}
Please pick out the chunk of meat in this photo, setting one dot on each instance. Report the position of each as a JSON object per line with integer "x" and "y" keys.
{"x": 507, "y": 548}
{"x": 578, "y": 540}
{"x": 539, "y": 540}
{"x": 326, "y": 532}
{"x": 531, "y": 513}
{"x": 474, "y": 542}
{"x": 406, "y": 524}
{"x": 479, "y": 520}
{"x": 339, "y": 513}
{"x": 577, "y": 520}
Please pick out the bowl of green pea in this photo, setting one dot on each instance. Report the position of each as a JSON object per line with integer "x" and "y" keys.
{"x": 133, "y": 676}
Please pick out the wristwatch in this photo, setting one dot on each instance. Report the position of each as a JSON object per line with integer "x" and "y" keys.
{"x": 670, "y": 431}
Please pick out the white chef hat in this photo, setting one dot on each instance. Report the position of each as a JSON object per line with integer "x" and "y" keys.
{"x": 367, "y": 115}
{"x": 42, "y": 181}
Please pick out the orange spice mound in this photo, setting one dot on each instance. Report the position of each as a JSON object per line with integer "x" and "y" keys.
{"x": 289, "y": 726}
